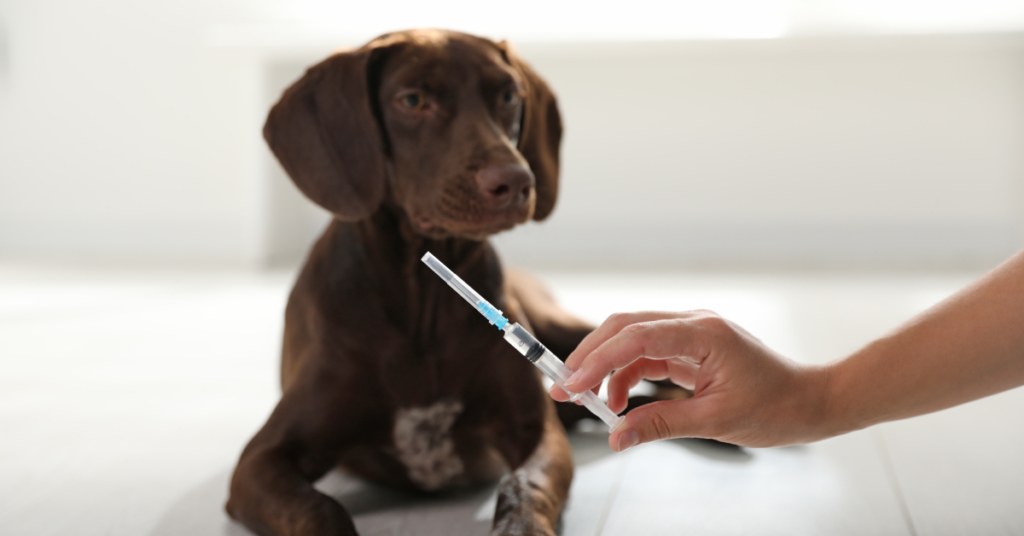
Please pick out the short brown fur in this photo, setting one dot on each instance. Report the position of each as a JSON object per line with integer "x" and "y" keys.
{"x": 369, "y": 331}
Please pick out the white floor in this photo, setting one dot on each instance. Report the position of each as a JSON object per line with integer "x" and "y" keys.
{"x": 126, "y": 396}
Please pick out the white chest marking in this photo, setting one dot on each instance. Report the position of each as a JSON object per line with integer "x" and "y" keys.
{"x": 424, "y": 445}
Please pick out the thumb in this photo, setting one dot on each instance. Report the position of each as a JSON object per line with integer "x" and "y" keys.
{"x": 659, "y": 420}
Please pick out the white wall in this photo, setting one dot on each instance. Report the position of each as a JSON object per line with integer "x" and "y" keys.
{"x": 123, "y": 136}
{"x": 127, "y": 132}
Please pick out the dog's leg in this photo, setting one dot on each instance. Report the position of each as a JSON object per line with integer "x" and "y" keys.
{"x": 272, "y": 489}
{"x": 532, "y": 497}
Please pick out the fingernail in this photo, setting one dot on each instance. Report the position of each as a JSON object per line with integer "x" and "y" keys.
{"x": 575, "y": 377}
{"x": 628, "y": 439}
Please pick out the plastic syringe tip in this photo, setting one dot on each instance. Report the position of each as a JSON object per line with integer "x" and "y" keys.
{"x": 492, "y": 314}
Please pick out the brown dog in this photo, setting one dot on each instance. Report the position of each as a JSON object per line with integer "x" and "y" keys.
{"x": 418, "y": 141}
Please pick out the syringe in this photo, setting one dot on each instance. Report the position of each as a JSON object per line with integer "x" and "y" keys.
{"x": 525, "y": 343}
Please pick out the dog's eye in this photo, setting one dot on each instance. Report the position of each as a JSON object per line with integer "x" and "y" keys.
{"x": 413, "y": 101}
{"x": 509, "y": 97}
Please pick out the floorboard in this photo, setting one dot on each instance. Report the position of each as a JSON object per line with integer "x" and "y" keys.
{"x": 961, "y": 470}
{"x": 836, "y": 487}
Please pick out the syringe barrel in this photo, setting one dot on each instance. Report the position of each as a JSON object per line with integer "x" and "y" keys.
{"x": 554, "y": 368}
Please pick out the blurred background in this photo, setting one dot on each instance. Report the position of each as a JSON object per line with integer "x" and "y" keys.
{"x": 817, "y": 170}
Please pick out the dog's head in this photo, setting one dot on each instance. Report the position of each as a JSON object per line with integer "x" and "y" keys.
{"x": 454, "y": 130}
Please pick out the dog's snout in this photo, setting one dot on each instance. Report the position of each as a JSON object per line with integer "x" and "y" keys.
{"x": 506, "y": 185}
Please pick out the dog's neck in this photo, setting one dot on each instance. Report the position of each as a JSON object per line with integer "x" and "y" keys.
{"x": 411, "y": 293}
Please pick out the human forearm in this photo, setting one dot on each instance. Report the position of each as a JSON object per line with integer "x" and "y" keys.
{"x": 967, "y": 347}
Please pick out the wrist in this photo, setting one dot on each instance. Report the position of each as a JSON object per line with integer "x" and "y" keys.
{"x": 839, "y": 407}
{"x": 815, "y": 404}
{"x": 823, "y": 406}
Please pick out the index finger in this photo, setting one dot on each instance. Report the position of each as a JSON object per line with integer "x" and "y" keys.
{"x": 608, "y": 329}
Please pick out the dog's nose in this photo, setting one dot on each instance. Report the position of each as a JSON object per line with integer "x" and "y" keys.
{"x": 506, "y": 185}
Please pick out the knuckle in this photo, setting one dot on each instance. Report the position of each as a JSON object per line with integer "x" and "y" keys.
{"x": 635, "y": 329}
{"x": 713, "y": 322}
{"x": 708, "y": 314}
{"x": 658, "y": 426}
{"x": 619, "y": 319}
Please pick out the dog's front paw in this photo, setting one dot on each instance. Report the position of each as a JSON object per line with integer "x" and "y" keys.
{"x": 524, "y": 509}
{"x": 523, "y": 525}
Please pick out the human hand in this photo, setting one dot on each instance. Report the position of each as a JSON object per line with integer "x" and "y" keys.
{"x": 743, "y": 392}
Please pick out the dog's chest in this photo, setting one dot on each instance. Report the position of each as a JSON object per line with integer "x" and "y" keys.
{"x": 423, "y": 443}
{"x": 438, "y": 431}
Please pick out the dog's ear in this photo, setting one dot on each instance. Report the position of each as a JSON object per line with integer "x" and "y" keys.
{"x": 326, "y": 136}
{"x": 541, "y": 133}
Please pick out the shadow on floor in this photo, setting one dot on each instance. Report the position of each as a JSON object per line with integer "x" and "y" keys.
{"x": 714, "y": 450}
{"x": 590, "y": 445}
